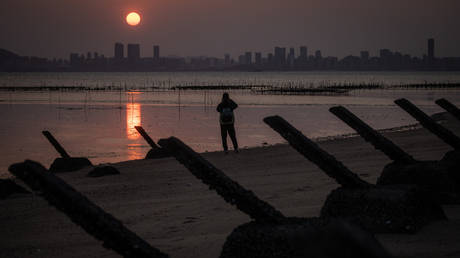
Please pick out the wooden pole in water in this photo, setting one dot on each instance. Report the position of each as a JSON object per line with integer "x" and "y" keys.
{"x": 56, "y": 144}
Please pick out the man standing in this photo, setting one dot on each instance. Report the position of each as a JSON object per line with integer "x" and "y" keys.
{"x": 227, "y": 120}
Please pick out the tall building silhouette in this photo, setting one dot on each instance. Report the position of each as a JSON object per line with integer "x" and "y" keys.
{"x": 74, "y": 59}
{"x": 303, "y": 53}
{"x": 430, "y": 50}
{"x": 156, "y": 52}
{"x": 258, "y": 58}
{"x": 364, "y": 56}
{"x": 385, "y": 56}
{"x": 227, "y": 59}
{"x": 280, "y": 56}
{"x": 241, "y": 59}
{"x": 318, "y": 55}
{"x": 248, "y": 58}
{"x": 291, "y": 57}
{"x": 270, "y": 58}
{"x": 134, "y": 52}
{"x": 119, "y": 51}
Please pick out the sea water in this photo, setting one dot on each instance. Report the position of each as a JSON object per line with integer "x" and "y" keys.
{"x": 100, "y": 124}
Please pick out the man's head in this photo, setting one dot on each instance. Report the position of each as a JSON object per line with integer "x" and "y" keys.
{"x": 225, "y": 96}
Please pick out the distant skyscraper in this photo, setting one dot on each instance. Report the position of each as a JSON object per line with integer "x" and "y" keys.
{"x": 258, "y": 58}
{"x": 241, "y": 59}
{"x": 134, "y": 52}
{"x": 227, "y": 59}
{"x": 277, "y": 54}
{"x": 248, "y": 58}
{"x": 270, "y": 58}
{"x": 385, "y": 53}
{"x": 291, "y": 57}
{"x": 303, "y": 53}
{"x": 385, "y": 56}
{"x": 156, "y": 52}
{"x": 74, "y": 59}
{"x": 119, "y": 51}
{"x": 280, "y": 56}
{"x": 318, "y": 54}
{"x": 283, "y": 55}
{"x": 364, "y": 56}
{"x": 430, "y": 50}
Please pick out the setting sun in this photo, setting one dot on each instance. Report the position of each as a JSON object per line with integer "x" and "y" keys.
{"x": 133, "y": 19}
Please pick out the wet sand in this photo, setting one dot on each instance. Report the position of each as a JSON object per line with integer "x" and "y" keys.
{"x": 165, "y": 205}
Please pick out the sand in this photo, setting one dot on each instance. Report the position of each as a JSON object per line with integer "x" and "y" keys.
{"x": 165, "y": 205}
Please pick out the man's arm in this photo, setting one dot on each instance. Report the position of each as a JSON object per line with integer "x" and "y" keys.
{"x": 234, "y": 105}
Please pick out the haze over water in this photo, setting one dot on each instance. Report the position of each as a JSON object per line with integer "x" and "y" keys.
{"x": 100, "y": 124}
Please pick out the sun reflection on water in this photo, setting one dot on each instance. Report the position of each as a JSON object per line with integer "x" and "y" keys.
{"x": 133, "y": 118}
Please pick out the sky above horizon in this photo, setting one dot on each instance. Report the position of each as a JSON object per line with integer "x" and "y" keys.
{"x": 55, "y": 28}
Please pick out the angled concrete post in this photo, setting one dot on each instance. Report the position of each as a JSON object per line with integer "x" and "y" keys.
{"x": 431, "y": 125}
{"x": 146, "y": 137}
{"x": 83, "y": 212}
{"x": 56, "y": 144}
{"x": 233, "y": 193}
{"x": 156, "y": 152}
{"x": 375, "y": 138}
{"x": 314, "y": 153}
{"x": 66, "y": 163}
{"x": 449, "y": 107}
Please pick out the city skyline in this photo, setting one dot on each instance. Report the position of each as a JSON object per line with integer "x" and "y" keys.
{"x": 129, "y": 58}
{"x": 207, "y": 28}
{"x": 146, "y": 51}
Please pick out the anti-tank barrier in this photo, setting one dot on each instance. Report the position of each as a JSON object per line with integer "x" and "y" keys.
{"x": 439, "y": 177}
{"x": 397, "y": 209}
{"x": 271, "y": 234}
{"x": 83, "y": 212}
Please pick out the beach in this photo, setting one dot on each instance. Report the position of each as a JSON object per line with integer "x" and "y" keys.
{"x": 163, "y": 203}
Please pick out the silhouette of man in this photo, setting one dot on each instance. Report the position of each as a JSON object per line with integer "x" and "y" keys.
{"x": 227, "y": 121}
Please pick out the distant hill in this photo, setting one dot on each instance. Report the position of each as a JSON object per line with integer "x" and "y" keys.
{"x": 5, "y": 54}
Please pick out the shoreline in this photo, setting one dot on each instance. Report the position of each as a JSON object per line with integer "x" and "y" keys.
{"x": 409, "y": 127}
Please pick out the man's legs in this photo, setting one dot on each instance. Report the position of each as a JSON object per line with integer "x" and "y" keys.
{"x": 223, "y": 133}
{"x": 231, "y": 132}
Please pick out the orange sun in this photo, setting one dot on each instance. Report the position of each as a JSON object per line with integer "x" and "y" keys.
{"x": 133, "y": 18}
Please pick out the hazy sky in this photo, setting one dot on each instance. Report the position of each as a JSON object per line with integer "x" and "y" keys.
{"x": 54, "y": 28}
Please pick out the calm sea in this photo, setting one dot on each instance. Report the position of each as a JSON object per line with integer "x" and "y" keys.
{"x": 100, "y": 124}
